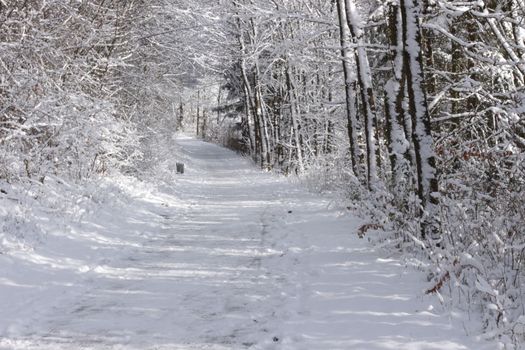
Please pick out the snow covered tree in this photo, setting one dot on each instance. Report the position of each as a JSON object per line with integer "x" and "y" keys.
{"x": 425, "y": 161}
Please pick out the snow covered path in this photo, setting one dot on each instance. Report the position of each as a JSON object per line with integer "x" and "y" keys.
{"x": 226, "y": 257}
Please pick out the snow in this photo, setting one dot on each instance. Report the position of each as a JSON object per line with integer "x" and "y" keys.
{"x": 221, "y": 257}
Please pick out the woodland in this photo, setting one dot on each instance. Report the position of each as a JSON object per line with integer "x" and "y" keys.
{"x": 409, "y": 112}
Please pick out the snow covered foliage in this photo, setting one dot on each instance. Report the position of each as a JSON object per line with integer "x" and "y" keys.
{"x": 410, "y": 110}
{"x": 79, "y": 82}
{"x": 57, "y": 79}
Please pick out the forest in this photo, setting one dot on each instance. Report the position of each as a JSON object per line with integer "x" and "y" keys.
{"x": 408, "y": 112}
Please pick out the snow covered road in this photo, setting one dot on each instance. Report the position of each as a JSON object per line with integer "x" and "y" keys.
{"x": 225, "y": 257}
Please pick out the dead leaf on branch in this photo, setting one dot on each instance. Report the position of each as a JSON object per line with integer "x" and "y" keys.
{"x": 365, "y": 228}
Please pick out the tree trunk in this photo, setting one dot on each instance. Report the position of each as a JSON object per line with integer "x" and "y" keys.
{"x": 427, "y": 189}
{"x": 364, "y": 78}
{"x": 350, "y": 94}
{"x": 198, "y": 110}
{"x": 394, "y": 96}
{"x": 295, "y": 122}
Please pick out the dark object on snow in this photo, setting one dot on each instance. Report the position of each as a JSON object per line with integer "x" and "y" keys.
{"x": 3, "y": 191}
{"x": 289, "y": 211}
{"x": 275, "y": 339}
{"x": 180, "y": 168}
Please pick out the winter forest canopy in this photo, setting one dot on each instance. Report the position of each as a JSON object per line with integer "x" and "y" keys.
{"x": 412, "y": 111}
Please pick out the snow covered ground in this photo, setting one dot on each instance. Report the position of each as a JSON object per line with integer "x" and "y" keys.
{"x": 222, "y": 257}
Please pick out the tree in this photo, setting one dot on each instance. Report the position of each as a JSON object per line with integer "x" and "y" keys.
{"x": 425, "y": 160}
{"x": 350, "y": 86}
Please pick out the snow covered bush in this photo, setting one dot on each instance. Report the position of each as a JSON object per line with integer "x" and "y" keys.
{"x": 58, "y": 113}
